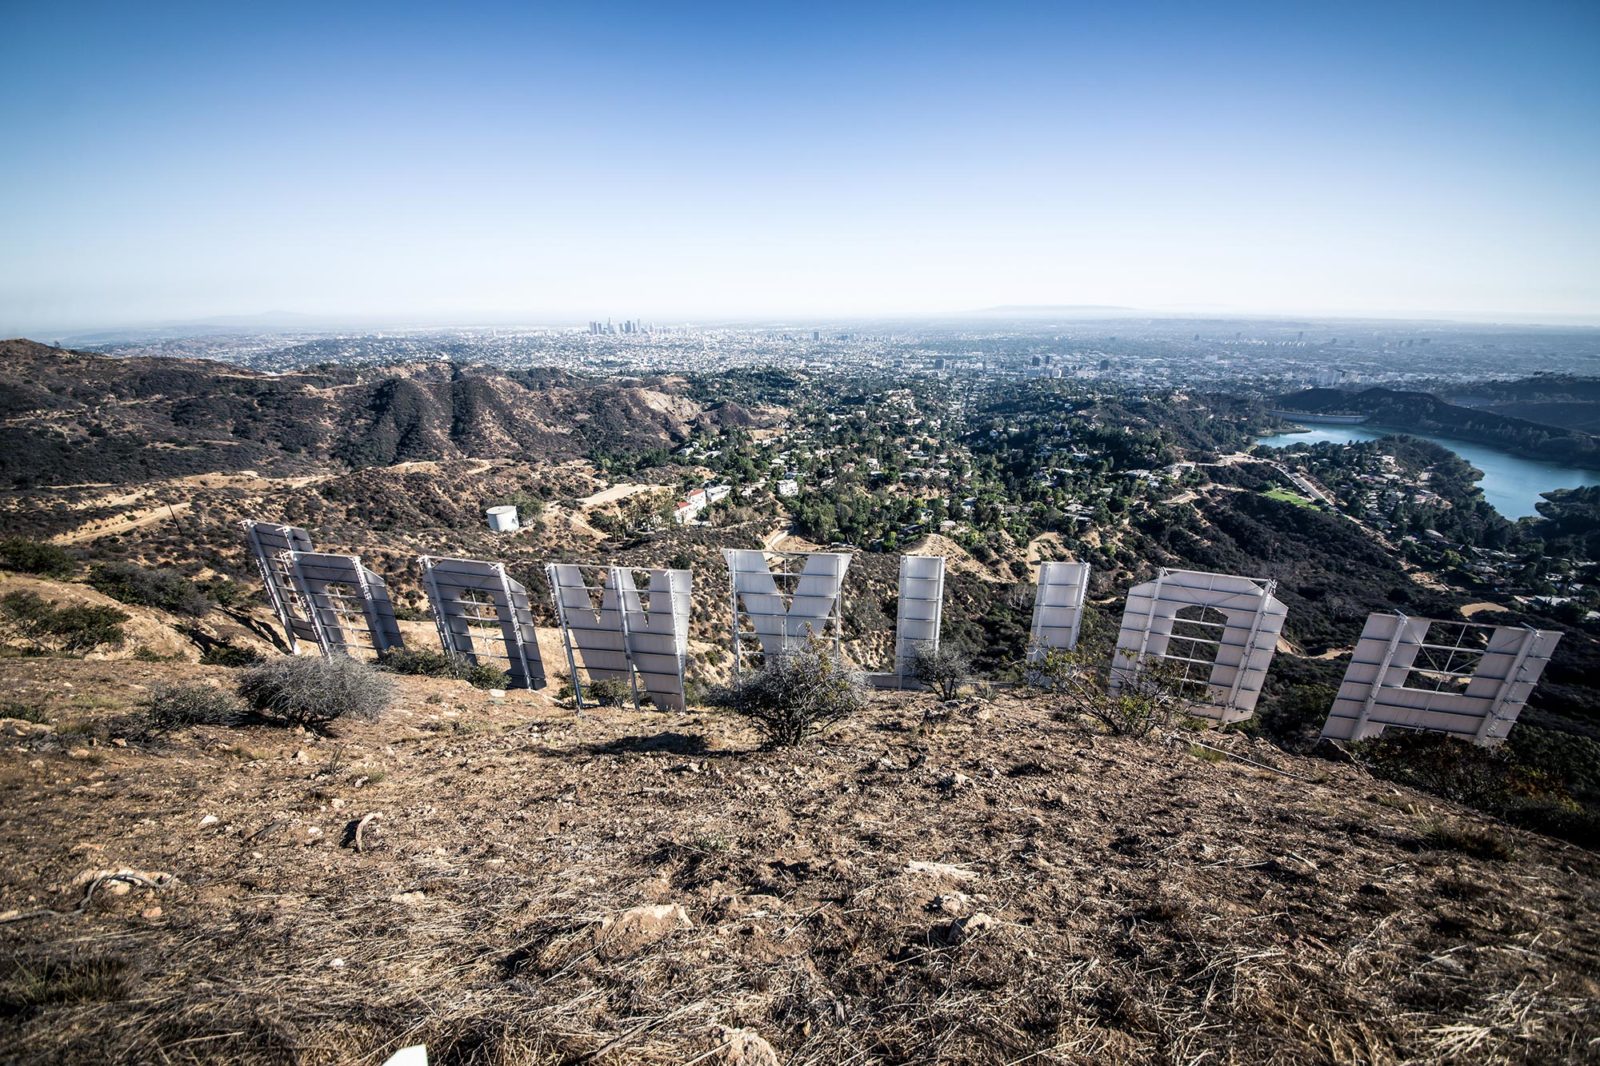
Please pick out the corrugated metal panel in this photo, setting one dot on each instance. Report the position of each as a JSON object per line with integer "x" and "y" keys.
{"x": 1480, "y": 704}
{"x": 349, "y": 604}
{"x": 268, "y": 543}
{"x": 1058, "y": 607}
{"x": 657, "y": 633}
{"x": 593, "y": 636}
{"x": 484, "y": 616}
{"x": 756, "y": 596}
{"x": 1229, "y": 666}
{"x": 917, "y": 618}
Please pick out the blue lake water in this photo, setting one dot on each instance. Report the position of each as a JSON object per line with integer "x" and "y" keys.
{"x": 1510, "y": 484}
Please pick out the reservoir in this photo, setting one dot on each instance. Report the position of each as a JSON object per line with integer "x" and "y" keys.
{"x": 1510, "y": 484}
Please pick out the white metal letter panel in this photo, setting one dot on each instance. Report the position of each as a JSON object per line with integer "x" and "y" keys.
{"x": 596, "y": 635}
{"x": 1058, "y": 606}
{"x": 758, "y": 597}
{"x": 920, "y": 609}
{"x": 268, "y": 543}
{"x": 1374, "y": 694}
{"x": 457, "y": 590}
{"x": 349, "y": 604}
{"x": 1244, "y": 645}
{"x": 658, "y": 638}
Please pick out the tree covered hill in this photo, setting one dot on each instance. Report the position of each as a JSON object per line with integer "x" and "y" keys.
{"x": 1563, "y": 400}
{"x": 1422, "y": 412}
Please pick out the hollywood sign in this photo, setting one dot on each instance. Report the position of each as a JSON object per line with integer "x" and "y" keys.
{"x": 1215, "y": 633}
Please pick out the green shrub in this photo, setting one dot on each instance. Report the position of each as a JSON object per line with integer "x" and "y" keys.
{"x": 943, "y": 668}
{"x": 417, "y": 662}
{"x": 313, "y": 692}
{"x": 1294, "y": 719}
{"x": 421, "y": 662}
{"x": 146, "y": 587}
{"x": 1569, "y": 758}
{"x": 608, "y": 692}
{"x": 230, "y": 655}
{"x": 226, "y": 593}
{"x": 83, "y": 627}
{"x": 178, "y": 705}
{"x": 27, "y": 712}
{"x": 29, "y": 618}
{"x": 797, "y": 693}
{"x": 36, "y": 557}
{"x": 1492, "y": 780}
{"x": 484, "y": 675}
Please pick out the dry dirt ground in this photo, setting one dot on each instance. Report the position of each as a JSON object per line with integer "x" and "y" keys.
{"x": 975, "y": 882}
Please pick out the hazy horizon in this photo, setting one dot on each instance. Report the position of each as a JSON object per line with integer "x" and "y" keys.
{"x": 718, "y": 162}
{"x": 296, "y": 322}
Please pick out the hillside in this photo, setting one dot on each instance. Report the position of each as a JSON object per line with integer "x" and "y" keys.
{"x": 70, "y": 417}
{"x": 1562, "y": 400}
{"x": 975, "y": 882}
{"x": 1424, "y": 413}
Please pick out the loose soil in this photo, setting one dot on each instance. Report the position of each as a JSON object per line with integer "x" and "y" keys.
{"x": 975, "y": 882}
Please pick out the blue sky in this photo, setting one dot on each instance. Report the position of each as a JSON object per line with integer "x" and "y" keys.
{"x": 680, "y": 161}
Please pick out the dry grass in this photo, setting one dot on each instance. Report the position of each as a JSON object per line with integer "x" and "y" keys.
{"x": 1144, "y": 905}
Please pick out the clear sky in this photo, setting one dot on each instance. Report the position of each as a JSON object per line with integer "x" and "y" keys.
{"x": 556, "y": 162}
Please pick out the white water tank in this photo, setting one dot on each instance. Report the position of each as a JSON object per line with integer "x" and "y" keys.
{"x": 503, "y": 519}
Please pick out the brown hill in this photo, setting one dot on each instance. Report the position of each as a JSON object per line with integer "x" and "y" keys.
{"x": 71, "y": 417}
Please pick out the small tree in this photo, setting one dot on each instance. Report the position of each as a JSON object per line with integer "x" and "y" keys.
{"x": 942, "y": 667}
{"x": 798, "y": 692}
{"x": 1148, "y": 697}
{"x": 314, "y": 692}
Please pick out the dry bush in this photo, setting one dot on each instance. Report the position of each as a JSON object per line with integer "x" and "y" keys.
{"x": 943, "y": 668}
{"x": 178, "y": 705}
{"x": 798, "y": 692}
{"x": 1148, "y": 698}
{"x": 313, "y": 692}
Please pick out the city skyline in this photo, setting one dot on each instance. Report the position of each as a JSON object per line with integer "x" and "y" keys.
{"x": 717, "y": 163}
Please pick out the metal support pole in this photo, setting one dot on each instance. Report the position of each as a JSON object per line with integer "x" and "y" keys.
{"x": 1379, "y": 678}
{"x": 516, "y": 624}
{"x": 379, "y": 640}
{"x": 733, "y": 605}
{"x": 1244, "y": 660}
{"x": 318, "y": 627}
{"x": 614, "y": 573}
{"x": 1529, "y": 635}
{"x": 434, "y": 597}
{"x": 566, "y": 633}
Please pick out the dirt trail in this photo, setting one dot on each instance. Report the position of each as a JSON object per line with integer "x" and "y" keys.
{"x": 616, "y": 492}
{"x": 148, "y": 516}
